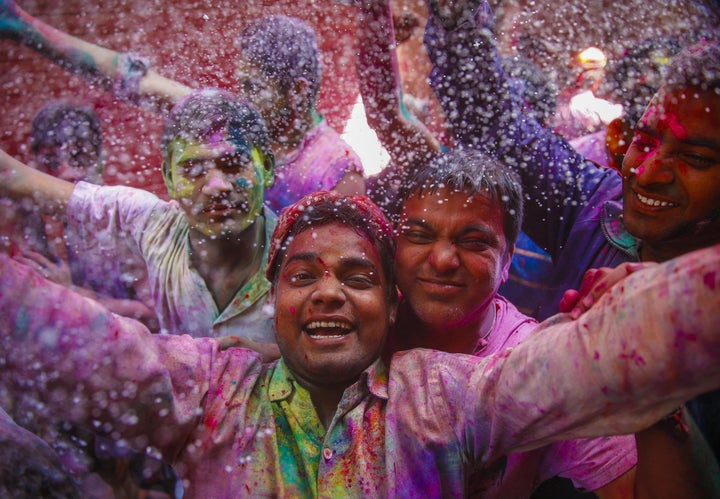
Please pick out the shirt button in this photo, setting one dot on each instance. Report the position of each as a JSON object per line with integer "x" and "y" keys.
{"x": 327, "y": 453}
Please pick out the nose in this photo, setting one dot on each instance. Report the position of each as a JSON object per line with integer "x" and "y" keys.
{"x": 328, "y": 290}
{"x": 443, "y": 256}
{"x": 655, "y": 169}
{"x": 215, "y": 183}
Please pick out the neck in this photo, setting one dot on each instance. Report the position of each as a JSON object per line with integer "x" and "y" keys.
{"x": 287, "y": 140}
{"x": 411, "y": 332}
{"x": 226, "y": 263}
{"x": 325, "y": 397}
{"x": 708, "y": 235}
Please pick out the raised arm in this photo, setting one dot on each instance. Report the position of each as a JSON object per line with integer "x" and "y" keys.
{"x": 126, "y": 75}
{"x": 406, "y": 139}
{"x": 482, "y": 111}
{"x": 18, "y": 181}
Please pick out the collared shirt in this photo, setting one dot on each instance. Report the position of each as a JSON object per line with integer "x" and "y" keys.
{"x": 418, "y": 429}
{"x": 318, "y": 164}
{"x": 103, "y": 218}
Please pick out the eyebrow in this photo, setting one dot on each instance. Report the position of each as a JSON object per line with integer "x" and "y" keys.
{"x": 708, "y": 142}
{"x": 479, "y": 227}
{"x": 350, "y": 262}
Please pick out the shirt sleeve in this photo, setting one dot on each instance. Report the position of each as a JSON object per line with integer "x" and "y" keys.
{"x": 104, "y": 220}
{"x": 591, "y": 463}
{"x": 74, "y": 361}
{"x": 648, "y": 345}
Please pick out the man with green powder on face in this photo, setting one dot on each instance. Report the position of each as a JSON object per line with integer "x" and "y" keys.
{"x": 205, "y": 250}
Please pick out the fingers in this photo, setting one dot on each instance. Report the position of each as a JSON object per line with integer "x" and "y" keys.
{"x": 595, "y": 283}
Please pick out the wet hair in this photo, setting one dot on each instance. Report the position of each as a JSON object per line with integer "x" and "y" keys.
{"x": 471, "y": 171}
{"x": 60, "y": 122}
{"x": 325, "y": 207}
{"x": 285, "y": 50}
{"x": 635, "y": 77}
{"x": 205, "y": 112}
{"x": 697, "y": 66}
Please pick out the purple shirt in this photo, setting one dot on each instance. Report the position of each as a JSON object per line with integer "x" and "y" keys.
{"x": 318, "y": 164}
{"x": 572, "y": 207}
{"x": 417, "y": 430}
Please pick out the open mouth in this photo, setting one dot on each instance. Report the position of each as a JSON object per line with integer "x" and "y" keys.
{"x": 319, "y": 330}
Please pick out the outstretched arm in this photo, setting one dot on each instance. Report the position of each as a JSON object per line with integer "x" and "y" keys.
{"x": 127, "y": 76}
{"x": 19, "y": 181}
{"x": 407, "y": 140}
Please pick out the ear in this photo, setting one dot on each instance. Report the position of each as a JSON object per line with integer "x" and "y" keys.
{"x": 394, "y": 303}
{"x": 506, "y": 264}
{"x": 167, "y": 176}
{"x": 617, "y": 140}
{"x": 267, "y": 166}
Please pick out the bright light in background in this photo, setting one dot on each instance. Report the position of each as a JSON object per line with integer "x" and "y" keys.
{"x": 364, "y": 141}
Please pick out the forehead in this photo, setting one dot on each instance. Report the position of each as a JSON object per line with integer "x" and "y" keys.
{"x": 212, "y": 148}
{"x": 332, "y": 244}
{"x": 685, "y": 113}
{"x": 438, "y": 205}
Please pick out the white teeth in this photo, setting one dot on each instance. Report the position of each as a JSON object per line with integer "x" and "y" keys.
{"x": 328, "y": 324}
{"x": 325, "y": 336}
{"x": 653, "y": 202}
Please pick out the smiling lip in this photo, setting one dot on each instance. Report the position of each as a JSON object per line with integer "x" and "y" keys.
{"x": 327, "y": 329}
{"x": 439, "y": 285}
{"x": 653, "y": 203}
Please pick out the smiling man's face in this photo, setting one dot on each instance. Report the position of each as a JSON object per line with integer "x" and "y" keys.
{"x": 671, "y": 172}
{"x": 452, "y": 256}
{"x": 331, "y": 304}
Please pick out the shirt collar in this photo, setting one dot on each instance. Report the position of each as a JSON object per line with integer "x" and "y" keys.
{"x": 375, "y": 377}
{"x": 611, "y": 221}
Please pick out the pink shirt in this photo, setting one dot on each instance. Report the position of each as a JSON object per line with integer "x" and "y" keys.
{"x": 318, "y": 164}
{"x": 590, "y": 463}
{"x": 418, "y": 429}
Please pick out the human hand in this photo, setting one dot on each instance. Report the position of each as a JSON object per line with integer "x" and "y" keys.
{"x": 594, "y": 284}
{"x": 56, "y": 271}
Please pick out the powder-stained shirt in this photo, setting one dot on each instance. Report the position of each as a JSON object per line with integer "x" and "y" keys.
{"x": 233, "y": 426}
{"x": 318, "y": 164}
{"x": 590, "y": 463}
{"x": 100, "y": 218}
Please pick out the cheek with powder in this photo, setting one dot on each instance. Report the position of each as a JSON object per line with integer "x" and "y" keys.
{"x": 183, "y": 187}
